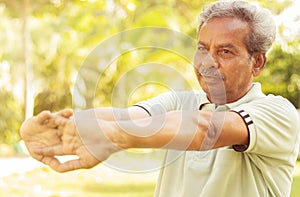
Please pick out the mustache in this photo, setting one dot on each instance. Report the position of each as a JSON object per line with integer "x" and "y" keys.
{"x": 210, "y": 72}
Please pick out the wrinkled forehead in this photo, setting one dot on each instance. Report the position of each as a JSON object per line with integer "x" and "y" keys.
{"x": 223, "y": 30}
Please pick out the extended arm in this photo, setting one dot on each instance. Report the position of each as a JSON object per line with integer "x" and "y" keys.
{"x": 93, "y": 140}
{"x": 181, "y": 130}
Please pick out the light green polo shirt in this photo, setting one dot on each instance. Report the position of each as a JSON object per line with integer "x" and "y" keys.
{"x": 265, "y": 168}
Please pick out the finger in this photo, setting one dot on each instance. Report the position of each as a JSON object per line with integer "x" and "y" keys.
{"x": 56, "y": 165}
{"x": 54, "y": 121}
{"x": 66, "y": 166}
{"x": 67, "y": 113}
{"x": 50, "y": 161}
{"x": 69, "y": 166}
{"x": 50, "y": 151}
{"x": 43, "y": 116}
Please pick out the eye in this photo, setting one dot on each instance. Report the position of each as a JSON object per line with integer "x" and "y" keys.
{"x": 201, "y": 48}
{"x": 225, "y": 51}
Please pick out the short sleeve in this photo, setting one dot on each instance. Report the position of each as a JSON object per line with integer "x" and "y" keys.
{"x": 273, "y": 126}
{"x": 169, "y": 101}
{"x": 249, "y": 124}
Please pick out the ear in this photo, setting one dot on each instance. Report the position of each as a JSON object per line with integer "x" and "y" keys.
{"x": 259, "y": 60}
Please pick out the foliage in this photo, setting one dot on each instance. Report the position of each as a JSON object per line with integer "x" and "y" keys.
{"x": 61, "y": 35}
{"x": 282, "y": 75}
{"x": 295, "y": 186}
{"x": 10, "y": 118}
{"x": 275, "y": 6}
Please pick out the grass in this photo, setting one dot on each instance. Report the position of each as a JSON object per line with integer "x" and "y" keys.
{"x": 296, "y": 187}
{"x": 43, "y": 182}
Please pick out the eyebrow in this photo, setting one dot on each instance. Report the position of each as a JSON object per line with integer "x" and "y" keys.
{"x": 227, "y": 45}
{"x": 223, "y": 45}
{"x": 201, "y": 43}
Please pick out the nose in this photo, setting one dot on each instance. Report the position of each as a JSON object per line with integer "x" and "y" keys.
{"x": 208, "y": 61}
{"x": 204, "y": 60}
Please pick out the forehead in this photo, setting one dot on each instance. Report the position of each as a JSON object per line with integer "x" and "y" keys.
{"x": 223, "y": 30}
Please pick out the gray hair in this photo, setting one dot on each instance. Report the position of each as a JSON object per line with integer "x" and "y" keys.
{"x": 262, "y": 25}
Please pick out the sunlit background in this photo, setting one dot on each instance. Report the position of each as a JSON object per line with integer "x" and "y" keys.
{"x": 45, "y": 43}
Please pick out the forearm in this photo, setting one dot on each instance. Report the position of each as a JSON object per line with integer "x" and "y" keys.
{"x": 181, "y": 130}
{"x": 114, "y": 114}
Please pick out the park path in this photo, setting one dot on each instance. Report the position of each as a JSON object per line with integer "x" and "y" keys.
{"x": 17, "y": 165}
{"x": 21, "y": 165}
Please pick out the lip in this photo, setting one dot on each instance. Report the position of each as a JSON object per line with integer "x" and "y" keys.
{"x": 212, "y": 77}
{"x": 212, "y": 80}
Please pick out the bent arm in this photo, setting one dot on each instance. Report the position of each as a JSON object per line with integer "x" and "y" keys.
{"x": 180, "y": 130}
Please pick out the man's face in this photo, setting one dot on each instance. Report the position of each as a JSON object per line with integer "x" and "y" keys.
{"x": 222, "y": 63}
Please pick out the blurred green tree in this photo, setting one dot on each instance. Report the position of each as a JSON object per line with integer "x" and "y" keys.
{"x": 282, "y": 75}
{"x": 47, "y": 42}
{"x": 10, "y": 118}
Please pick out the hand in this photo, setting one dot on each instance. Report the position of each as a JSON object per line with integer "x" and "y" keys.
{"x": 37, "y": 135}
{"x": 50, "y": 135}
{"x": 45, "y": 137}
{"x": 71, "y": 144}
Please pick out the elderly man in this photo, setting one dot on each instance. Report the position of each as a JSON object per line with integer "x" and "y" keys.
{"x": 229, "y": 139}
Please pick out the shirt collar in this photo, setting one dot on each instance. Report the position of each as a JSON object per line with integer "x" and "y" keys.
{"x": 254, "y": 93}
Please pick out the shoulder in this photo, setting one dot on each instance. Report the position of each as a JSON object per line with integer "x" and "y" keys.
{"x": 272, "y": 103}
{"x": 274, "y": 127}
{"x": 276, "y": 104}
{"x": 272, "y": 112}
{"x": 173, "y": 100}
{"x": 179, "y": 96}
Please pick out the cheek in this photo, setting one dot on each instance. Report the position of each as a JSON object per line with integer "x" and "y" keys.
{"x": 196, "y": 60}
{"x": 240, "y": 76}
{"x": 200, "y": 79}
{"x": 236, "y": 68}
{"x": 230, "y": 72}
{"x": 237, "y": 73}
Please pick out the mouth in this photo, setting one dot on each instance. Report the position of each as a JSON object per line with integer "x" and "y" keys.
{"x": 213, "y": 82}
{"x": 212, "y": 77}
